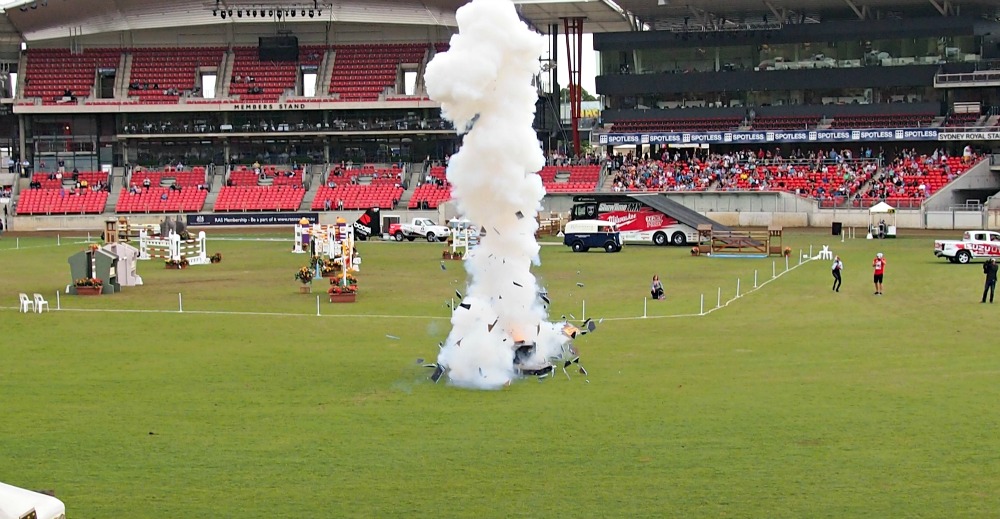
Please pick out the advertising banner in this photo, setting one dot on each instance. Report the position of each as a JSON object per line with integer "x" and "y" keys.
{"x": 218, "y": 219}
{"x": 791, "y": 136}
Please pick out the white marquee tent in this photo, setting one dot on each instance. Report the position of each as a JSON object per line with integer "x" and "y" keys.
{"x": 882, "y": 221}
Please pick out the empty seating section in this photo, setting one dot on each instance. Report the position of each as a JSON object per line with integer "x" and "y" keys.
{"x": 364, "y": 72}
{"x": 268, "y": 176}
{"x": 570, "y": 179}
{"x": 187, "y": 200}
{"x": 883, "y": 121}
{"x": 60, "y": 196}
{"x": 60, "y": 201}
{"x": 429, "y": 196}
{"x": 167, "y": 178}
{"x": 272, "y": 78}
{"x": 49, "y": 73}
{"x": 49, "y": 180}
{"x": 259, "y": 198}
{"x": 432, "y": 193}
{"x": 272, "y": 189}
{"x": 961, "y": 120}
{"x": 155, "y": 70}
{"x": 676, "y": 125}
{"x": 786, "y": 123}
{"x": 356, "y": 196}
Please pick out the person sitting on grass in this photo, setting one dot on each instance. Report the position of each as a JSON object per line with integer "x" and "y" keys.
{"x": 657, "y": 288}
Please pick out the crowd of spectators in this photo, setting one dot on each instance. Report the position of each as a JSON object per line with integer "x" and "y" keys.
{"x": 818, "y": 174}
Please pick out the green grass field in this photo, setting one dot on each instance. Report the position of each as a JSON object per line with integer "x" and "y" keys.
{"x": 791, "y": 401}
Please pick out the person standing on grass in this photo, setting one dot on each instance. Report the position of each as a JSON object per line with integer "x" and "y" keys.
{"x": 837, "y": 267}
{"x": 879, "y": 264}
{"x": 990, "y": 269}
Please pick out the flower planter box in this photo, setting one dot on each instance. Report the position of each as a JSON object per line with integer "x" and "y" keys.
{"x": 343, "y": 298}
{"x": 305, "y": 289}
{"x": 88, "y": 291}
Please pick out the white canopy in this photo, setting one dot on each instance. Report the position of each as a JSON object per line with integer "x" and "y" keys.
{"x": 882, "y": 207}
{"x": 15, "y": 502}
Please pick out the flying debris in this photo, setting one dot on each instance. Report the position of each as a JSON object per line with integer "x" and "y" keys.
{"x": 579, "y": 284}
{"x": 519, "y": 215}
{"x": 459, "y": 294}
{"x": 438, "y": 372}
{"x": 472, "y": 123}
{"x": 393, "y": 337}
{"x": 420, "y": 360}
{"x": 443, "y": 267}
{"x": 467, "y": 306}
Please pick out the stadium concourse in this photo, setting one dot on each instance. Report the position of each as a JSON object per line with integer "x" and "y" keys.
{"x": 840, "y": 103}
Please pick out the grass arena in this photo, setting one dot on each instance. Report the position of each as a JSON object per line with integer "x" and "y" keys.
{"x": 221, "y": 390}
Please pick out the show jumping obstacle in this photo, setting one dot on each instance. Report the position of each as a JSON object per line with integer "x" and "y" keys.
{"x": 174, "y": 248}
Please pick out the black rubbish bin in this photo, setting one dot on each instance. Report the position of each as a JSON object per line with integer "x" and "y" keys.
{"x": 837, "y": 227}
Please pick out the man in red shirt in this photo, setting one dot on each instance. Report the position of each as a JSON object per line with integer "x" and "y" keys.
{"x": 879, "y": 264}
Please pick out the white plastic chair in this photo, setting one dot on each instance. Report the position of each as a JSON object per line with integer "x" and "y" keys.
{"x": 40, "y": 302}
{"x": 826, "y": 253}
{"x": 26, "y": 304}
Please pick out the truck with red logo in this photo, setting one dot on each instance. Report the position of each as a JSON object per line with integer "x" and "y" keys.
{"x": 643, "y": 218}
{"x": 973, "y": 245}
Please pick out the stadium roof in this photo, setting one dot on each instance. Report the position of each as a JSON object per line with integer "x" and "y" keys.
{"x": 33, "y": 20}
{"x": 669, "y": 14}
{"x": 624, "y": 15}
{"x": 49, "y": 19}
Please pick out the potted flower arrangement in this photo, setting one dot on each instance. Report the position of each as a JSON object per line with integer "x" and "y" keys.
{"x": 343, "y": 290}
{"x": 305, "y": 276}
{"x": 788, "y": 251}
{"x": 328, "y": 268}
{"x": 216, "y": 258}
{"x": 93, "y": 247}
{"x": 176, "y": 264}
{"x": 695, "y": 250}
{"x": 89, "y": 286}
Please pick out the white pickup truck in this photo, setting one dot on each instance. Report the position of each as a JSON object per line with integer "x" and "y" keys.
{"x": 973, "y": 245}
{"x": 422, "y": 227}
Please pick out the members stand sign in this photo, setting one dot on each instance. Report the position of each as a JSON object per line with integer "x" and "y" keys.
{"x": 215, "y": 219}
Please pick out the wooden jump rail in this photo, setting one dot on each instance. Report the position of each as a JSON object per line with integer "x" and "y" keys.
{"x": 754, "y": 243}
{"x": 740, "y": 242}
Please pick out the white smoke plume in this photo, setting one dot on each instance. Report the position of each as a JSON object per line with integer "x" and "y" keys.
{"x": 483, "y": 83}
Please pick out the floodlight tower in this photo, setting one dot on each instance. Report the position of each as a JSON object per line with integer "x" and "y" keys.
{"x": 573, "y": 28}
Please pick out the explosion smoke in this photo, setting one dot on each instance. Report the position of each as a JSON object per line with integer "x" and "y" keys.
{"x": 483, "y": 83}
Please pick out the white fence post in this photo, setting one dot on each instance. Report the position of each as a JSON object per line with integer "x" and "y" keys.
{"x": 58, "y": 303}
{"x": 755, "y": 279}
{"x": 317, "y": 306}
{"x": 645, "y": 301}
{"x": 737, "y": 287}
{"x": 702, "y": 311}
{"x": 718, "y": 303}
{"x": 180, "y": 303}
{"x": 583, "y": 312}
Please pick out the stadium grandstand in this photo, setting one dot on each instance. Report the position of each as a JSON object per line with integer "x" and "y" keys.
{"x": 125, "y": 106}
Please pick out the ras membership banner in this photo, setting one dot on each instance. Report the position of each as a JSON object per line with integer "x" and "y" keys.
{"x": 218, "y": 219}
